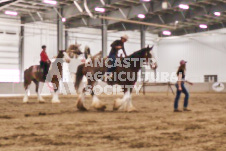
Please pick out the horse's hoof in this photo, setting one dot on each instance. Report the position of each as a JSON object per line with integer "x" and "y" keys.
{"x": 102, "y": 108}
{"x": 99, "y": 106}
{"x": 80, "y": 106}
{"x": 41, "y": 99}
{"x": 41, "y": 102}
{"x": 115, "y": 109}
{"x": 133, "y": 109}
{"x": 25, "y": 100}
{"x": 56, "y": 102}
{"x": 116, "y": 105}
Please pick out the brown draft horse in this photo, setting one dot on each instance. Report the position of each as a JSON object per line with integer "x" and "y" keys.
{"x": 74, "y": 50}
{"x": 35, "y": 74}
{"x": 120, "y": 104}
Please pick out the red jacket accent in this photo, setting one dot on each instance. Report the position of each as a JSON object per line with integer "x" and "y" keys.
{"x": 44, "y": 56}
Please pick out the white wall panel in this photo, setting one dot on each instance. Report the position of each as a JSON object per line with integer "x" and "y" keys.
{"x": 5, "y": 54}
{"x": 205, "y": 55}
{"x": 9, "y": 66}
{"x": 41, "y": 34}
{"x": 9, "y": 51}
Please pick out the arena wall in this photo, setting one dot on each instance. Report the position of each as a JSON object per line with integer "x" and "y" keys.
{"x": 9, "y": 51}
{"x": 205, "y": 54}
{"x": 198, "y": 49}
{"x": 12, "y": 89}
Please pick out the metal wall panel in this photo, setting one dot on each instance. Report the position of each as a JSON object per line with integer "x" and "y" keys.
{"x": 205, "y": 54}
{"x": 9, "y": 51}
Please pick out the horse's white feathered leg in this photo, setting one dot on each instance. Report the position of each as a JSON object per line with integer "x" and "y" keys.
{"x": 97, "y": 104}
{"x": 25, "y": 100}
{"x": 80, "y": 103}
{"x": 130, "y": 107}
{"x": 121, "y": 104}
{"x": 40, "y": 98}
{"x": 55, "y": 98}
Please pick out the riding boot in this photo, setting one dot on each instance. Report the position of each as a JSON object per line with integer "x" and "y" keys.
{"x": 187, "y": 110}
{"x": 44, "y": 77}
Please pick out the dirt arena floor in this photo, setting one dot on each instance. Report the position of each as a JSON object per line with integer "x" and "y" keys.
{"x": 60, "y": 127}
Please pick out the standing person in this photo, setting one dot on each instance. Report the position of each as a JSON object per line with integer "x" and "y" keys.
{"x": 45, "y": 62}
{"x": 115, "y": 47}
{"x": 181, "y": 87}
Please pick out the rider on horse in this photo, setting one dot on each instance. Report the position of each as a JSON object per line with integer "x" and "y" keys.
{"x": 45, "y": 62}
{"x": 115, "y": 47}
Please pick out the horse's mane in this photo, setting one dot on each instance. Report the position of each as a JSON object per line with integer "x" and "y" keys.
{"x": 59, "y": 55}
{"x": 137, "y": 53}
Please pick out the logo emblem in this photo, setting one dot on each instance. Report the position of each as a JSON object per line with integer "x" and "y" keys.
{"x": 218, "y": 87}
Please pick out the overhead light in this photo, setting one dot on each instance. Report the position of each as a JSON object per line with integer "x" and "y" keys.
{"x": 217, "y": 13}
{"x": 141, "y": 16}
{"x": 145, "y": 0}
{"x": 99, "y": 9}
{"x": 52, "y": 2}
{"x": 184, "y": 6}
{"x": 203, "y": 26}
{"x": 166, "y": 32}
{"x": 64, "y": 19}
{"x": 3, "y": 1}
{"x": 164, "y": 5}
{"x": 12, "y": 13}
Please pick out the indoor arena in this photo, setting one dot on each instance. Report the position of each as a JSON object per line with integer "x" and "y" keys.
{"x": 112, "y": 75}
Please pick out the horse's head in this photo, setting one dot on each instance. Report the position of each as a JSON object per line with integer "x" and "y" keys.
{"x": 74, "y": 50}
{"x": 87, "y": 52}
{"x": 63, "y": 55}
{"x": 150, "y": 57}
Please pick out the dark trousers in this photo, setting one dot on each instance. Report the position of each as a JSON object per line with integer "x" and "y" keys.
{"x": 45, "y": 67}
{"x": 113, "y": 67}
{"x": 184, "y": 90}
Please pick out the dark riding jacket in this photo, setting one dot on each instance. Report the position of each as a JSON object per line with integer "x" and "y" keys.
{"x": 114, "y": 50}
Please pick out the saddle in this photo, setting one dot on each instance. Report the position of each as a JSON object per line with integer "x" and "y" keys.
{"x": 39, "y": 70}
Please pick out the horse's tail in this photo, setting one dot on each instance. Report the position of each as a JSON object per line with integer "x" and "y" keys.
{"x": 26, "y": 80}
{"x": 87, "y": 52}
{"x": 79, "y": 76}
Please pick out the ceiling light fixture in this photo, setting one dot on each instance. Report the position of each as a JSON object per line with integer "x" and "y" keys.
{"x": 145, "y": 0}
{"x": 166, "y": 32}
{"x": 164, "y": 5}
{"x": 64, "y": 19}
{"x": 184, "y": 6}
{"x": 142, "y": 16}
{"x": 52, "y": 2}
{"x": 99, "y": 9}
{"x": 203, "y": 26}
{"x": 12, "y": 13}
{"x": 217, "y": 13}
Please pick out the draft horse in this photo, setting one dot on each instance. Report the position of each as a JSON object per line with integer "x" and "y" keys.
{"x": 125, "y": 103}
{"x": 35, "y": 74}
{"x": 74, "y": 50}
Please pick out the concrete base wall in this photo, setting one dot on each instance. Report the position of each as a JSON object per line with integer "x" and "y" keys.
{"x": 197, "y": 87}
{"x": 68, "y": 88}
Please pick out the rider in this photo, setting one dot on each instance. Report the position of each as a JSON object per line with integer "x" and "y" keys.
{"x": 115, "y": 47}
{"x": 45, "y": 62}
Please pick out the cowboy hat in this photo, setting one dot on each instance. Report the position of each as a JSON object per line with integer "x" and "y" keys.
{"x": 126, "y": 37}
